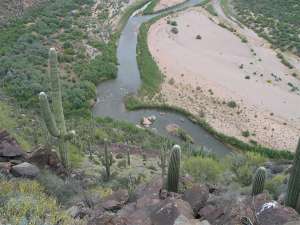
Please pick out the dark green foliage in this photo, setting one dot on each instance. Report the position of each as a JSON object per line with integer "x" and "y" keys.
{"x": 24, "y": 48}
{"x": 259, "y": 181}
{"x": 275, "y": 20}
{"x": 174, "y": 169}
{"x": 294, "y": 181}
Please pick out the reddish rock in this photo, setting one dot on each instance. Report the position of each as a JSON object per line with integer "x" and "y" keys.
{"x": 9, "y": 148}
{"x": 196, "y": 196}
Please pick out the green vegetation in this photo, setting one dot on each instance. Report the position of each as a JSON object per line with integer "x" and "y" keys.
{"x": 150, "y": 73}
{"x": 275, "y": 20}
{"x": 174, "y": 169}
{"x": 24, "y": 202}
{"x": 209, "y": 7}
{"x": 150, "y": 7}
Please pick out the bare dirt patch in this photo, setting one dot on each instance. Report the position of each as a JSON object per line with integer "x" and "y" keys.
{"x": 210, "y": 66}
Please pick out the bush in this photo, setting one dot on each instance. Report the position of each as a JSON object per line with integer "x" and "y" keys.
{"x": 231, "y": 104}
{"x": 275, "y": 185}
{"x": 245, "y": 133}
{"x": 24, "y": 201}
{"x": 203, "y": 169}
{"x": 174, "y": 30}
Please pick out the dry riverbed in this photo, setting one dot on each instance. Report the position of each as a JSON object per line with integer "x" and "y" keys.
{"x": 208, "y": 69}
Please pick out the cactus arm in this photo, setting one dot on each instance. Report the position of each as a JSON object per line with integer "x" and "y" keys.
{"x": 294, "y": 181}
{"x": 47, "y": 115}
{"x": 174, "y": 169}
{"x": 56, "y": 91}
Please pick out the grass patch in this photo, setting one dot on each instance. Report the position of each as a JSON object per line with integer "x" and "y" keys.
{"x": 150, "y": 72}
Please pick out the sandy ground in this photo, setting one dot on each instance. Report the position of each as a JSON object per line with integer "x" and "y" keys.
{"x": 203, "y": 75}
{"x": 163, "y": 4}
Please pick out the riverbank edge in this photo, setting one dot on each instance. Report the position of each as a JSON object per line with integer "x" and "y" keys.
{"x": 150, "y": 9}
{"x": 149, "y": 87}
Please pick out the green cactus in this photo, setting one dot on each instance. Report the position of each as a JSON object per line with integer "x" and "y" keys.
{"x": 246, "y": 221}
{"x": 107, "y": 160}
{"x": 174, "y": 169}
{"x": 55, "y": 120}
{"x": 128, "y": 158}
{"x": 163, "y": 159}
{"x": 294, "y": 181}
{"x": 259, "y": 181}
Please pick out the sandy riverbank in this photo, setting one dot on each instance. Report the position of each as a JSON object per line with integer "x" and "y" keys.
{"x": 163, "y": 4}
{"x": 203, "y": 75}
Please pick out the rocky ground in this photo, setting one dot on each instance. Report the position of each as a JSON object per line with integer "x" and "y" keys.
{"x": 147, "y": 203}
{"x": 228, "y": 76}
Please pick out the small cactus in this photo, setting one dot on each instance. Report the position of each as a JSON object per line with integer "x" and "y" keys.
{"x": 294, "y": 181}
{"x": 246, "y": 221}
{"x": 163, "y": 160}
{"x": 107, "y": 161}
{"x": 174, "y": 169}
{"x": 54, "y": 119}
{"x": 128, "y": 158}
{"x": 259, "y": 181}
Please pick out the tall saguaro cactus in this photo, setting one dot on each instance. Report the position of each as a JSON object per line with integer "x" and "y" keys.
{"x": 174, "y": 169}
{"x": 259, "y": 181}
{"x": 294, "y": 181}
{"x": 107, "y": 161}
{"x": 54, "y": 119}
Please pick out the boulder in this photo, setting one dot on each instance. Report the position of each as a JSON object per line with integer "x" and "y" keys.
{"x": 196, "y": 196}
{"x": 172, "y": 129}
{"x": 111, "y": 205}
{"x": 44, "y": 157}
{"x": 146, "y": 122}
{"x": 9, "y": 147}
{"x": 168, "y": 211}
{"x": 276, "y": 214}
{"x": 25, "y": 170}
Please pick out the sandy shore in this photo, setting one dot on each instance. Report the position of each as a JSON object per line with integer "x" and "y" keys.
{"x": 203, "y": 75}
{"x": 163, "y": 4}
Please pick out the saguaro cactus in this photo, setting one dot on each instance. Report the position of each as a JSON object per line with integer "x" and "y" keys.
{"x": 163, "y": 159}
{"x": 174, "y": 169}
{"x": 107, "y": 161}
{"x": 294, "y": 181}
{"x": 128, "y": 158}
{"x": 259, "y": 181}
{"x": 55, "y": 120}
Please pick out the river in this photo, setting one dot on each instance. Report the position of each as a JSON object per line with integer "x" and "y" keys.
{"x": 110, "y": 94}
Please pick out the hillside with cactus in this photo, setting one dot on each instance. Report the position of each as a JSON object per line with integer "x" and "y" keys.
{"x": 64, "y": 163}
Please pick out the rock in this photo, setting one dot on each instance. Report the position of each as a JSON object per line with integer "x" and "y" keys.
{"x": 196, "y": 196}
{"x": 276, "y": 214}
{"x": 5, "y": 166}
{"x": 25, "y": 170}
{"x": 111, "y": 205}
{"x": 204, "y": 222}
{"x": 172, "y": 128}
{"x": 44, "y": 157}
{"x": 146, "y": 122}
{"x": 8, "y": 146}
{"x": 168, "y": 211}
{"x": 77, "y": 212}
{"x": 211, "y": 212}
{"x": 152, "y": 118}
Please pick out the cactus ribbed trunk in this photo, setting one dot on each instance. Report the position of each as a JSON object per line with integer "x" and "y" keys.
{"x": 55, "y": 120}
{"x": 259, "y": 181}
{"x": 128, "y": 158}
{"x": 107, "y": 160}
{"x": 294, "y": 181}
{"x": 174, "y": 169}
